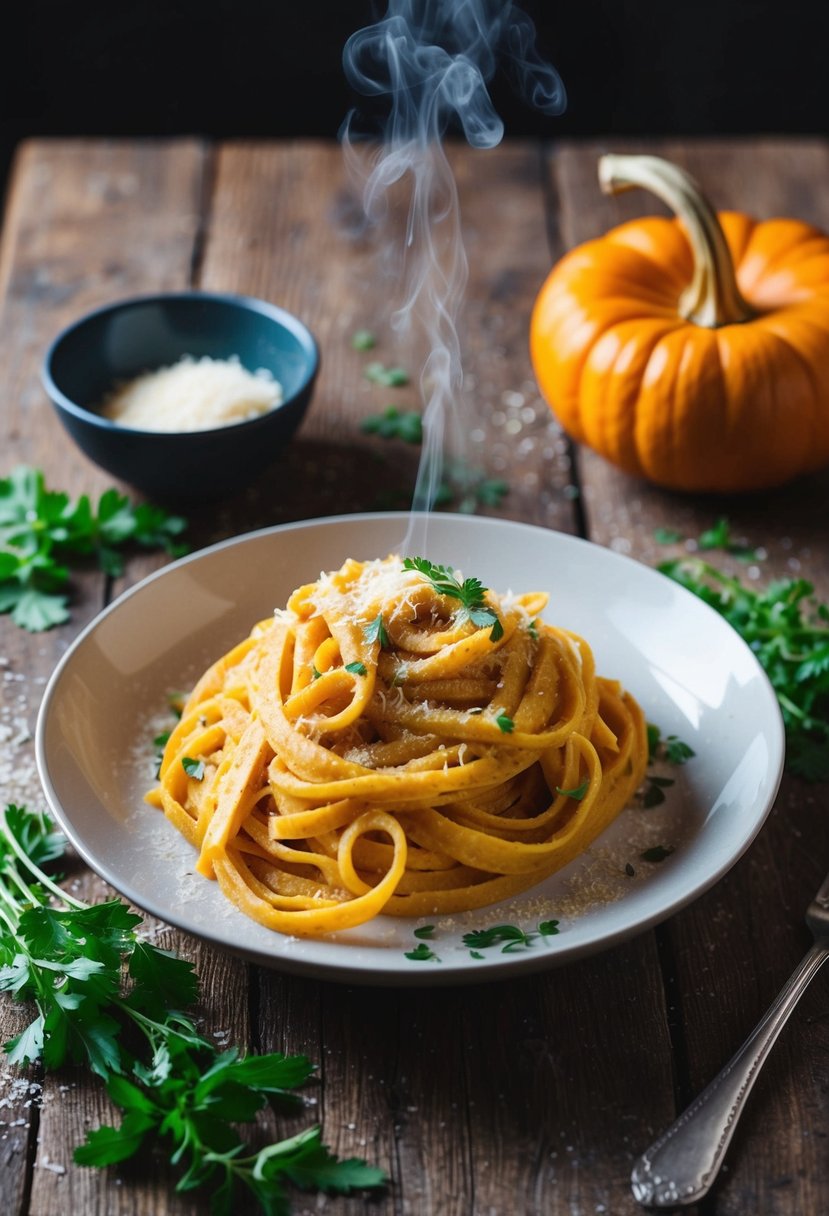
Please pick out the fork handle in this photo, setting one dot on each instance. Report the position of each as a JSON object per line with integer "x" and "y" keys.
{"x": 681, "y": 1166}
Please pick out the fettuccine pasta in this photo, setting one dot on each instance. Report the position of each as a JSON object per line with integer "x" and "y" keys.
{"x": 397, "y": 741}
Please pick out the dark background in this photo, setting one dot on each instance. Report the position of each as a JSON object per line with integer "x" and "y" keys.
{"x": 273, "y": 68}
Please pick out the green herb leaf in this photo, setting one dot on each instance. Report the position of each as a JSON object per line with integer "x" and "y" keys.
{"x": 548, "y": 928}
{"x": 425, "y": 931}
{"x": 666, "y": 536}
{"x": 357, "y": 668}
{"x": 577, "y": 793}
{"x": 483, "y": 939}
{"x": 363, "y": 339}
{"x": 375, "y": 631}
{"x": 719, "y": 537}
{"x": 389, "y": 377}
{"x": 193, "y": 768}
{"x": 677, "y": 752}
{"x": 657, "y": 853}
{"x": 505, "y": 724}
{"x": 470, "y": 593}
{"x": 40, "y": 530}
{"x": 788, "y": 631}
{"x": 93, "y": 979}
{"x": 392, "y": 424}
{"x": 422, "y": 954}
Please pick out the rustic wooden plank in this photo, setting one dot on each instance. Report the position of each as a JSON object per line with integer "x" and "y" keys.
{"x": 284, "y": 225}
{"x": 734, "y": 948}
{"x": 88, "y": 221}
{"x": 67, "y": 244}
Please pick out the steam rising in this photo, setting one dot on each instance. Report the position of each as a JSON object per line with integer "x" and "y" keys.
{"x": 430, "y": 61}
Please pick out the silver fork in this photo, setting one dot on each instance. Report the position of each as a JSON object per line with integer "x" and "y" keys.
{"x": 682, "y": 1165}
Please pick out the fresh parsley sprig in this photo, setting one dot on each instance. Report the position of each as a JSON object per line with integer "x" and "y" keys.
{"x": 92, "y": 979}
{"x": 42, "y": 529}
{"x": 788, "y": 630}
{"x": 511, "y": 938}
{"x": 470, "y": 593}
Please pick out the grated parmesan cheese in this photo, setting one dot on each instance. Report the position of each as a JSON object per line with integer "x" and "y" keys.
{"x": 193, "y": 395}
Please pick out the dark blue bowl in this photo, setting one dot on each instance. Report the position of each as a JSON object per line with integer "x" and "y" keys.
{"x": 123, "y": 340}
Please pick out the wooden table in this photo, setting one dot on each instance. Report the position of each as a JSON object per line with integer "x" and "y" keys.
{"x": 528, "y": 1097}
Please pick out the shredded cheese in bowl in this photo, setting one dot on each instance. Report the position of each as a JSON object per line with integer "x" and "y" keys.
{"x": 193, "y": 395}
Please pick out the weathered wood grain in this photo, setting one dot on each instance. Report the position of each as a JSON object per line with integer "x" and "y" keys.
{"x": 86, "y": 222}
{"x": 729, "y": 953}
{"x": 526, "y": 1097}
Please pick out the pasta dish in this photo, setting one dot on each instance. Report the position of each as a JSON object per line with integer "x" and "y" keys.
{"x": 397, "y": 740}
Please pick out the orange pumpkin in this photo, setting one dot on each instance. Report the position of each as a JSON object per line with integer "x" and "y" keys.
{"x": 691, "y": 351}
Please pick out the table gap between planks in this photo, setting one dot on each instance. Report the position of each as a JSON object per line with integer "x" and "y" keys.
{"x": 528, "y": 1097}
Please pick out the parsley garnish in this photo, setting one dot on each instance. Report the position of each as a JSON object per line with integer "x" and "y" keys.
{"x": 716, "y": 537}
{"x": 159, "y": 743}
{"x": 505, "y": 724}
{"x": 375, "y": 631}
{"x": 466, "y": 488}
{"x": 193, "y": 768}
{"x": 658, "y": 853}
{"x": 670, "y": 748}
{"x": 422, "y": 954}
{"x": 41, "y": 529}
{"x": 389, "y": 377}
{"x": 719, "y": 537}
{"x": 470, "y": 592}
{"x": 392, "y": 424}
{"x": 548, "y": 928}
{"x": 654, "y": 794}
{"x": 106, "y": 997}
{"x": 363, "y": 339}
{"x": 482, "y": 939}
{"x": 577, "y": 793}
{"x": 666, "y": 536}
{"x": 788, "y": 631}
{"x": 315, "y": 675}
{"x": 357, "y": 668}
{"x": 510, "y": 938}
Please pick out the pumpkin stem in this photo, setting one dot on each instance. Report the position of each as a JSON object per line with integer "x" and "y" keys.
{"x": 712, "y": 298}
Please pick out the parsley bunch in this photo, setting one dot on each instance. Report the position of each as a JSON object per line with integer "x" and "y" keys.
{"x": 470, "y": 593}
{"x": 41, "y": 529}
{"x": 788, "y": 630}
{"x": 92, "y": 980}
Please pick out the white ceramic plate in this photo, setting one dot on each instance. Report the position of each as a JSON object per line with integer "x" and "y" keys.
{"x": 690, "y": 671}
